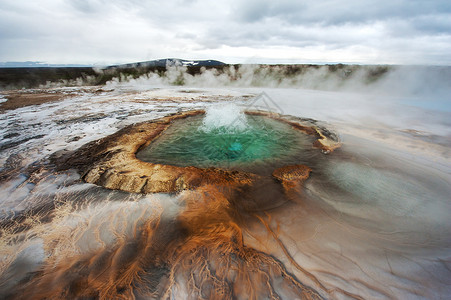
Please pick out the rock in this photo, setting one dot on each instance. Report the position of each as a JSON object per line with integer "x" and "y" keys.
{"x": 326, "y": 144}
{"x": 111, "y": 161}
{"x": 326, "y": 141}
{"x": 291, "y": 176}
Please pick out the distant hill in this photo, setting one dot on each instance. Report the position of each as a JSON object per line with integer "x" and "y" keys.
{"x": 31, "y": 74}
{"x": 37, "y": 64}
{"x": 170, "y": 62}
{"x": 34, "y": 74}
{"x": 166, "y": 62}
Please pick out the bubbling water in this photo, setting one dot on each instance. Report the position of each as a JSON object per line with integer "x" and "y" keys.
{"x": 226, "y": 137}
{"x": 227, "y": 117}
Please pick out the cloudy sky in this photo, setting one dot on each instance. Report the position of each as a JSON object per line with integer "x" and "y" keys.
{"x": 246, "y": 31}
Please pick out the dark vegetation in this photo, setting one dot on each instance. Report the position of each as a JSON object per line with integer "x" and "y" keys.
{"x": 18, "y": 78}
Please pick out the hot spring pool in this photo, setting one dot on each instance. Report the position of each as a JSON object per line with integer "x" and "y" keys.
{"x": 253, "y": 142}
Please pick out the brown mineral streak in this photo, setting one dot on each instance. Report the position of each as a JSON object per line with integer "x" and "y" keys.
{"x": 292, "y": 176}
{"x": 18, "y": 98}
{"x": 197, "y": 253}
{"x": 203, "y": 247}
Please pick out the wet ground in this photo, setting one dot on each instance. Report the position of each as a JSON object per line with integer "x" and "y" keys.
{"x": 372, "y": 221}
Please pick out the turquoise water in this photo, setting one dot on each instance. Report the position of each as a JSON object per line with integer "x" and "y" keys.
{"x": 263, "y": 141}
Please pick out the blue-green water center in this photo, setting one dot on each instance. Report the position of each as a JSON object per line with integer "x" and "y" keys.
{"x": 263, "y": 141}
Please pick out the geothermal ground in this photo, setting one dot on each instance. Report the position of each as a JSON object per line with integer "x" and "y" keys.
{"x": 361, "y": 210}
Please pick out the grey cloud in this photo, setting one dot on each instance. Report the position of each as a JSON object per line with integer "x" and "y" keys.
{"x": 119, "y": 30}
{"x": 303, "y": 23}
{"x": 433, "y": 23}
{"x": 85, "y": 6}
{"x": 330, "y": 12}
{"x": 249, "y": 37}
{"x": 273, "y": 32}
{"x": 92, "y": 7}
{"x": 186, "y": 35}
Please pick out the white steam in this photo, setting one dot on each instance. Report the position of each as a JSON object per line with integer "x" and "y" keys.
{"x": 380, "y": 80}
{"x": 228, "y": 117}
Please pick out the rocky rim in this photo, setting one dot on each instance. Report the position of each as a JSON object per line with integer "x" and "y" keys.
{"x": 111, "y": 161}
